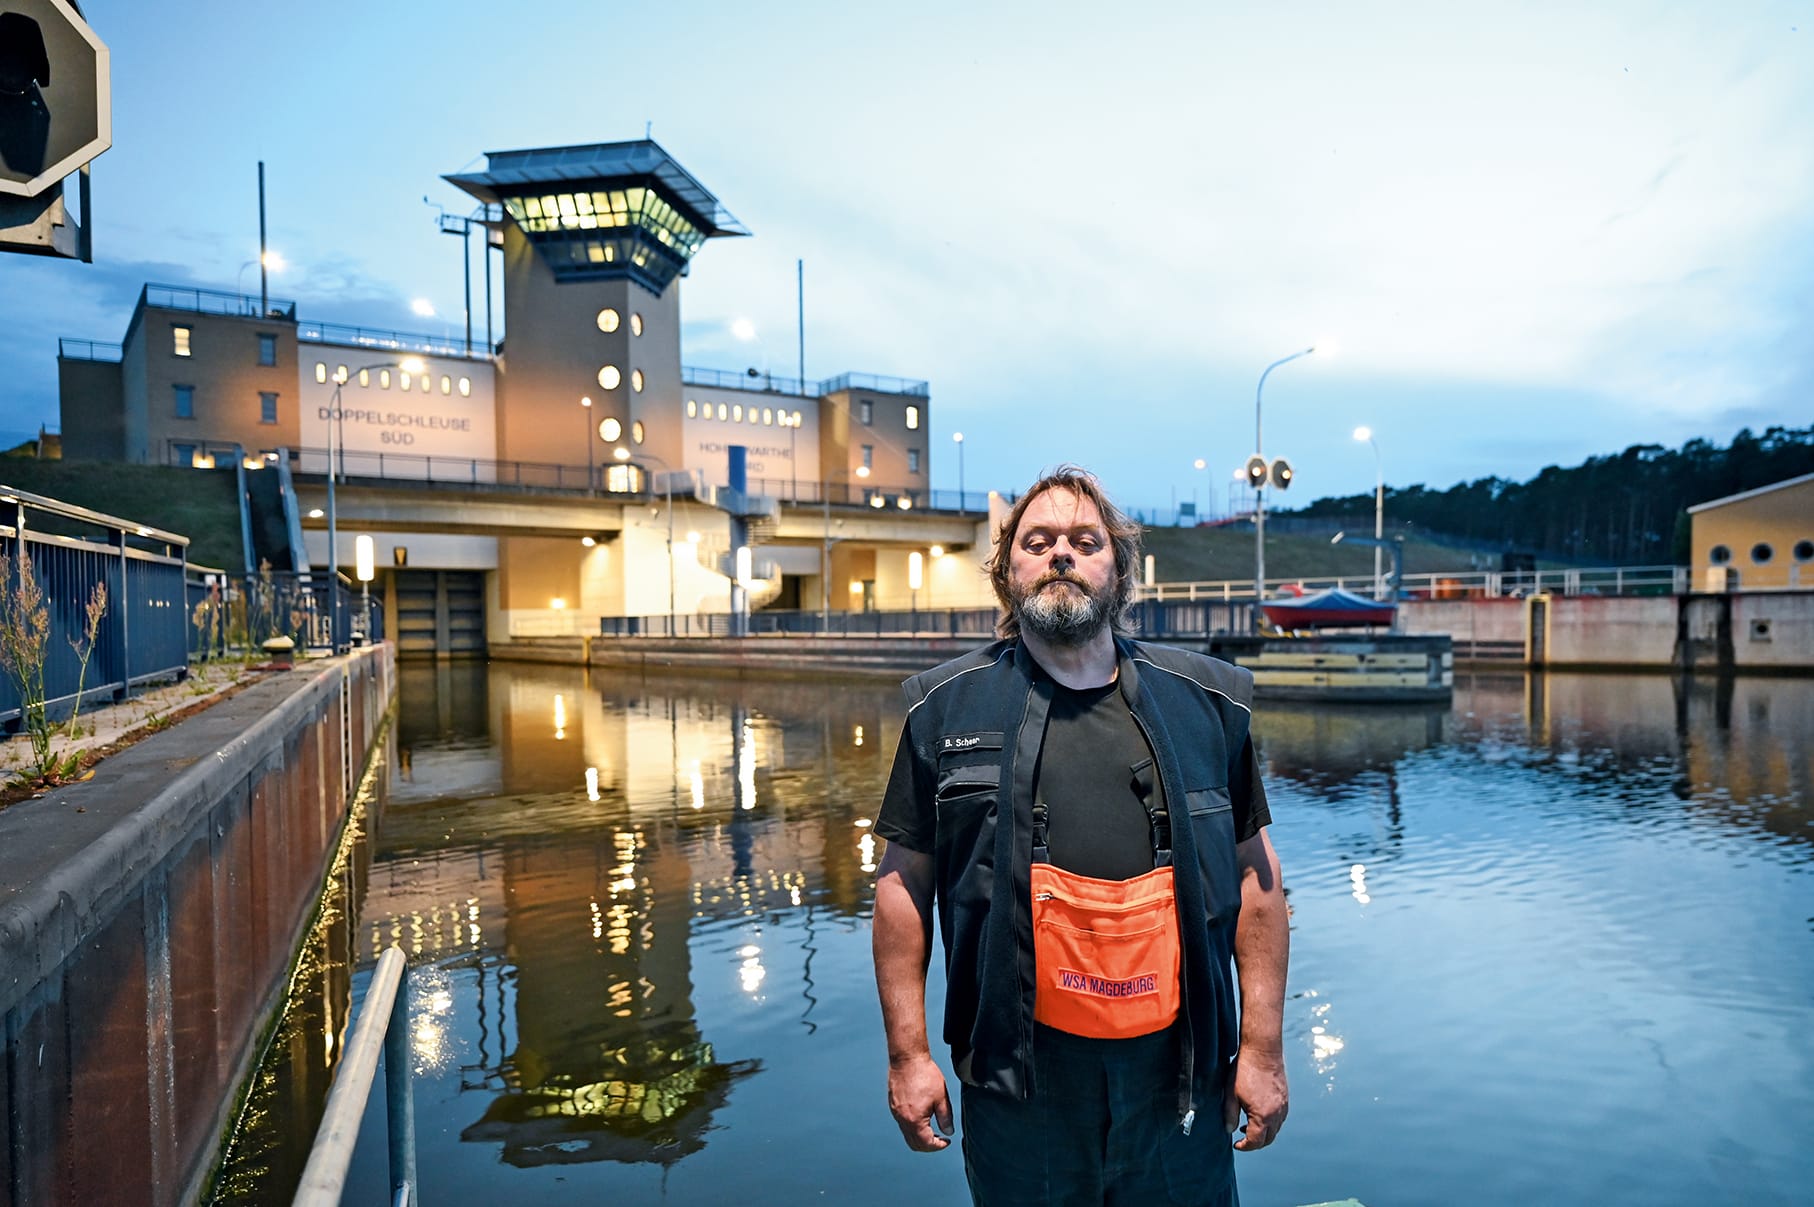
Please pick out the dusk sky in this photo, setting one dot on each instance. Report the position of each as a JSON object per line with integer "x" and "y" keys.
{"x": 1533, "y": 232}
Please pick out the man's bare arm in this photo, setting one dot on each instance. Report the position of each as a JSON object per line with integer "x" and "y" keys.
{"x": 902, "y": 936}
{"x": 1262, "y": 949}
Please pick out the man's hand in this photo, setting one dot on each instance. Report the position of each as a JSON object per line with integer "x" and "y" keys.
{"x": 916, "y": 1095}
{"x": 903, "y": 943}
{"x": 1257, "y": 1087}
{"x": 1262, "y": 941}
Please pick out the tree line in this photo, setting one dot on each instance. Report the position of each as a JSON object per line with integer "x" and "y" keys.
{"x": 1628, "y": 508}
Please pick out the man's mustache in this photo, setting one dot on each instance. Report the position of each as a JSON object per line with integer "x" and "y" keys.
{"x": 1060, "y": 576}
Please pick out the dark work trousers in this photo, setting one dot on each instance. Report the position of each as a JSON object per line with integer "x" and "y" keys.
{"x": 1101, "y": 1130}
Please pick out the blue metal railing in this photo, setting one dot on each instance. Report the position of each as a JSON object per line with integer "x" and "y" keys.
{"x": 382, "y": 1025}
{"x": 238, "y": 613}
{"x": 141, "y": 635}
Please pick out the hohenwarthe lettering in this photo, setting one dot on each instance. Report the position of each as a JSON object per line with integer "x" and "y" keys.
{"x": 1083, "y": 982}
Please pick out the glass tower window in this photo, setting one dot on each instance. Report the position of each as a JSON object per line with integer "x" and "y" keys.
{"x": 267, "y": 408}
{"x": 185, "y": 402}
{"x": 179, "y": 340}
{"x": 913, "y": 418}
{"x": 267, "y": 349}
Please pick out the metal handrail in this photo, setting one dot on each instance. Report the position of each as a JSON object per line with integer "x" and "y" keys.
{"x": 383, "y": 1022}
{"x": 1454, "y": 584}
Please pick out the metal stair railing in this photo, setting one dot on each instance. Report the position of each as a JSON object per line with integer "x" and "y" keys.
{"x": 383, "y": 1024}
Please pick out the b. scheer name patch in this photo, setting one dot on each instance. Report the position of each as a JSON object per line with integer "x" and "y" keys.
{"x": 1091, "y": 985}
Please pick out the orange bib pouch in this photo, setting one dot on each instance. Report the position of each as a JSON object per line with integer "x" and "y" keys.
{"x": 1105, "y": 952}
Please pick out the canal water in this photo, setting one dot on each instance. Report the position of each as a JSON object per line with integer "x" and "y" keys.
{"x": 1554, "y": 944}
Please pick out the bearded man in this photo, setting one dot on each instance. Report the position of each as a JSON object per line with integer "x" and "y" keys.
{"x": 1083, "y": 813}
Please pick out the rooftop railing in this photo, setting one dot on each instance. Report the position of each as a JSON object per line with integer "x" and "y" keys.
{"x": 768, "y": 383}
{"x": 761, "y": 383}
{"x": 88, "y": 349}
{"x": 871, "y": 381}
{"x": 379, "y": 340}
{"x": 214, "y": 301}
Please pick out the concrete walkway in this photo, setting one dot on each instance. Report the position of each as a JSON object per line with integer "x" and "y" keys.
{"x": 145, "y": 712}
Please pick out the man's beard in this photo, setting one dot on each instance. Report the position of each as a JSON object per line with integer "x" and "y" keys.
{"x": 1063, "y": 616}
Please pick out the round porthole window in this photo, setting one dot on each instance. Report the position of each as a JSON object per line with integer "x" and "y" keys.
{"x": 636, "y": 431}
{"x": 610, "y": 378}
{"x": 1804, "y": 551}
{"x": 636, "y": 380}
{"x": 1719, "y": 555}
{"x": 610, "y": 429}
{"x": 1761, "y": 553}
{"x": 635, "y": 323}
{"x": 608, "y": 320}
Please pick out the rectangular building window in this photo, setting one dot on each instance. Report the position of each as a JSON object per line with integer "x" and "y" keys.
{"x": 267, "y": 349}
{"x": 869, "y": 456}
{"x": 913, "y": 460}
{"x": 267, "y": 408}
{"x": 180, "y": 340}
{"x": 913, "y": 418}
{"x": 185, "y": 402}
{"x": 183, "y": 455}
{"x": 866, "y": 411}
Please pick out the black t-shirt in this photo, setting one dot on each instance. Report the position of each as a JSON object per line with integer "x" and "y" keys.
{"x": 1096, "y": 777}
{"x": 1089, "y": 776}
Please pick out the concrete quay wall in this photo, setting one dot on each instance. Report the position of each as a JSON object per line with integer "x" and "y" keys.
{"x": 149, "y": 921}
{"x": 1763, "y": 631}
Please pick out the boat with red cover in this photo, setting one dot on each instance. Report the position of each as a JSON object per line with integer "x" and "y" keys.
{"x": 1333, "y": 608}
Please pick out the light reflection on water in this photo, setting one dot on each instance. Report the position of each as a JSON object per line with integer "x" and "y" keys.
{"x": 1552, "y": 944}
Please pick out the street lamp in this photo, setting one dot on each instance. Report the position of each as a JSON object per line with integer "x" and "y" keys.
{"x": 623, "y": 454}
{"x": 915, "y": 576}
{"x": 1379, "y": 507}
{"x": 409, "y": 364}
{"x": 825, "y": 553}
{"x": 363, "y": 570}
{"x": 269, "y": 260}
{"x": 586, "y": 402}
{"x": 1257, "y": 475}
{"x": 957, "y": 438}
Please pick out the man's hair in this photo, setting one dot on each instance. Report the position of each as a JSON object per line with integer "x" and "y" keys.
{"x": 1124, "y": 538}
